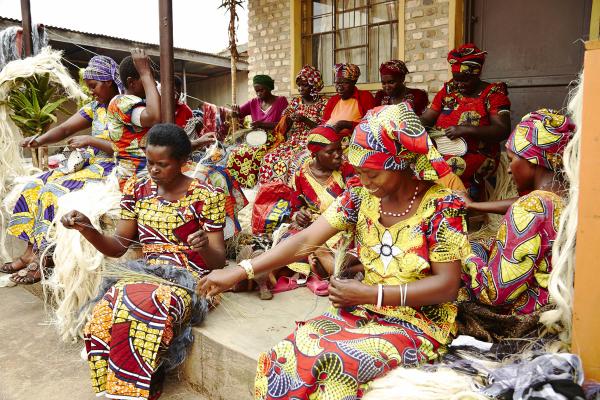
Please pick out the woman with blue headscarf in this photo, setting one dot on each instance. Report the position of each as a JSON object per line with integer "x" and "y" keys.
{"x": 38, "y": 202}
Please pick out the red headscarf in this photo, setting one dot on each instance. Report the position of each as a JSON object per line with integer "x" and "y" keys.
{"x": 347, "y": 71}
{"x": 467, "y": 59}
{"x": 320, "y": 137}
{"x": 394, "y": 68}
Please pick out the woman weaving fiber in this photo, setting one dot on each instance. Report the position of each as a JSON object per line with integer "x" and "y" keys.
{"x": 37, "y": 204}
{"x": 141, "y": 322}
{"x": 411, "y": 237}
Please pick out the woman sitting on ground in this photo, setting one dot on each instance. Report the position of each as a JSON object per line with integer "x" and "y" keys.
{"x": 394, "y": 91}
{"x": 345, "y": 109}
{"x": 411, "y": 237}
{"x": 131, "y": 115}
{"x": 303, "y": 114}
{"x": 139, "y": 321}
{"x": 512, "y": 273}
{"x": 318, "y": 182}
{"x": 472, "y": 110}
{"x": 265, "y": 109}
{"x": 38, "y": 202}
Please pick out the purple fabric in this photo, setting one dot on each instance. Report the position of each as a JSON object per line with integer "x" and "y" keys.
{"x": 273, "y": 114}
{"x": 102, "y": 68}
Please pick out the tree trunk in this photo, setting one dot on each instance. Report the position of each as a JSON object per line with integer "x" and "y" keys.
{"x": 233, "y": 54}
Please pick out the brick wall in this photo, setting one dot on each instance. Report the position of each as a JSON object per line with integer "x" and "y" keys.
{"x": 269, "y": 43}
{"x": 426, "y": 44}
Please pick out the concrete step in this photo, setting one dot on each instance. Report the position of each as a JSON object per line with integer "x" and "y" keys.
{"x": 222, "y": 361}
{"x": 35, "y": 364}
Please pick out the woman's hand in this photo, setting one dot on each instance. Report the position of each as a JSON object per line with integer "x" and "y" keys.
{"x": 349, "y": 292}
{"x": 341, "y": 125}
{"x": 141, "y": 62}
{"x": 220, "y": 280}
{"x": 205, "y": 140}
{"x": 30, "y": 142}
{"x": 78, "y": 142}
{"x": 303, "y": 218}
{"x": 457, "y": 131}
{"x": 235, "y": 109}
{"x": 198, "y": 241}
{"x": 467, "y": 199}
{"x": 258, "y": 125}
{"x": 75, "y": 220}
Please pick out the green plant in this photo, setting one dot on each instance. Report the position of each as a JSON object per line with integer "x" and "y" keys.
{"x": 34, "y": 102}
{"x": 85, "y": 89}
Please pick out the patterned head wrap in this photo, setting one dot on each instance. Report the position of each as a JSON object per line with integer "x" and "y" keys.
{"x": 347, "y": 71}
{"x": 541, "y": 137}
{"x": 320, "y": 137}
{"x": 264, "y": 80}
{"x": 394, "y": 68}
{"x": 467, "y": 59}
{"x": 392, "y": 138}
{"x": 103, "y": 69}
{"x": 312, "y": 77}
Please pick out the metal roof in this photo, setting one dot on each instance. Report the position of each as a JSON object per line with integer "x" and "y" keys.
{"x": 79, "y": 47}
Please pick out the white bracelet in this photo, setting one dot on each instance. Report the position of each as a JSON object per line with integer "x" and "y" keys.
{"x": 404, "y": 294}
{"x": 379, "y": 294}
{"x": 247, "y": 266}
{"x": 401, "y": 294}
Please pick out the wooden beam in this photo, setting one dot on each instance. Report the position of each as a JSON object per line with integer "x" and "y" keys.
{"x": 26, "y": 23}
{"x": 401, "y": 29}
{"x": 586, "y": 318}
{"x": 167, "y": 101}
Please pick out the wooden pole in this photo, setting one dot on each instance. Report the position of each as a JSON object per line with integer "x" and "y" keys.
{"x": 184, "y": 80}
{"x": 26, "y": 23}
{"x": 167, "y": 100}
{"x": 233, "y": 57}
{"x": 586, "y": 318}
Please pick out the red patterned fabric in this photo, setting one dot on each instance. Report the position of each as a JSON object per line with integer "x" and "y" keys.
{"x": 320, "y": 137}
{"x": 417, "y": 98}
{"x": 392, "y": 138}
{"x": 457, "y": 109}
{"x": 279, "y": 164}
{"x": 336, "y": 354}
{"x": 347, "y": 71}
{"x": 394, "y": 68}
{"x": 182, "y": 113}
{"x": 466, "y": 59}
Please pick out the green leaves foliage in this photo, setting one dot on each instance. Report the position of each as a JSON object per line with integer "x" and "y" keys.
{"x": 34, "y": 102}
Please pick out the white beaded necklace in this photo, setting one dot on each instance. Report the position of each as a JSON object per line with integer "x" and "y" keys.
{"x": 402, "y": 214}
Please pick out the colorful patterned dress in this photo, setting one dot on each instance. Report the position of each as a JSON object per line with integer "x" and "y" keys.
{"x": 334, "y": 356}
{"x": 417, "y": 98}
{"x": 513, "y": 271}
{"x": 309, "y": 193}
{"x": 134, "y": 323}
{"x": 128, "y": 139}
{"x": 244, "y": 161}
{"x": 278, "y": 164}
{"x": 457, "y": 109}
{"x": 38, "y": 202}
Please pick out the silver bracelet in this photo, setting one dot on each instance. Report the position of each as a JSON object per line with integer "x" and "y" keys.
{"x": 379, "y": 294}
{"x": 401, "y": 294}
{"x": 405, "y": 292}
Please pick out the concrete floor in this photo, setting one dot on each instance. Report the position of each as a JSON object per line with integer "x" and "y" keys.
{"x": 35, "y": 364}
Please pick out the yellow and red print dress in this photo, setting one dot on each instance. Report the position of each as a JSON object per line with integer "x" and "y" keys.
{"x": 336, "y": 355}
{"x": 512, "y": 272}
{"x": 134, "y": 323}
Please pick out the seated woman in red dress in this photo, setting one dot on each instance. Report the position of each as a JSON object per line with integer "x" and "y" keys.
{"x": 394, "y": 91}
{"x": 345, "y": 109}
{"x": 472, "y": 110}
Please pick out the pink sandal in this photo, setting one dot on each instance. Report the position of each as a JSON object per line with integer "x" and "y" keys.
{"x": 284, "y": 283}
{"x": 318, "y": 286}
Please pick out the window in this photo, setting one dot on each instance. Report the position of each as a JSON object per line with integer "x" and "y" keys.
{"x": 362, "y": 32}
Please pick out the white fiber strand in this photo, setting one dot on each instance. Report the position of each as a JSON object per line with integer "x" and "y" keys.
{"x": 561, "y": 280}
{"x": 78, "y": 265}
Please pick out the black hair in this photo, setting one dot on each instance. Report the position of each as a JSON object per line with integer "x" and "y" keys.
{"x": 127, "y": 70}
{"x": 177, "y": 82}
{"x": 172, "y": 136}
